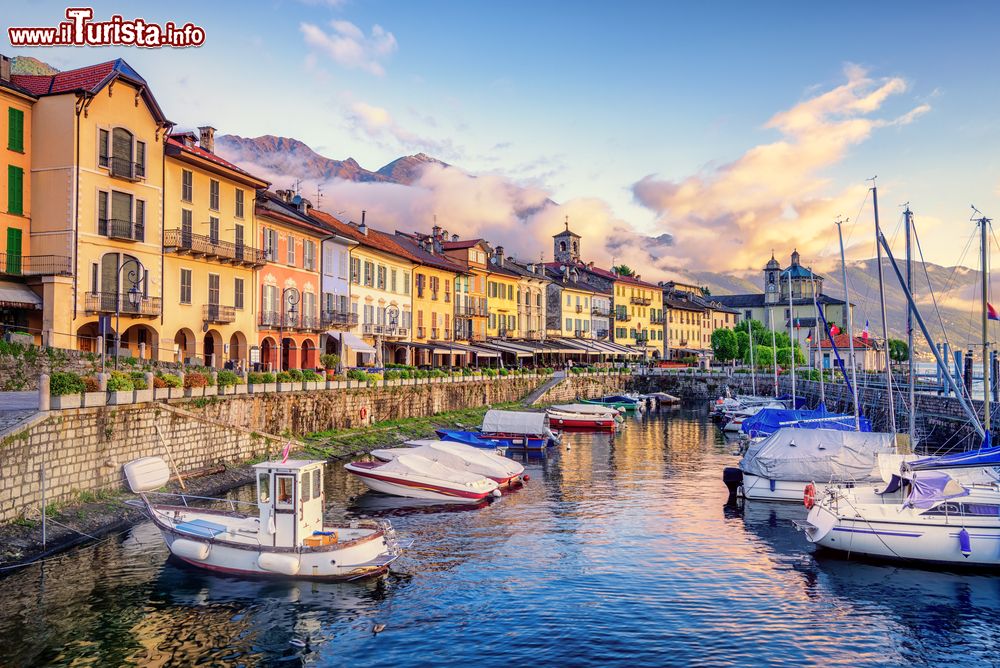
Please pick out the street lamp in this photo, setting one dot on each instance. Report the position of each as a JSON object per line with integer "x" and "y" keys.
{"x": 291, "y": 297}
{"x": 134, "y": 296}
{"x": 392, "y": 322}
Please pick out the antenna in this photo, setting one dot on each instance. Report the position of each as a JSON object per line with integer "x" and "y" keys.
{"x": 298, "y": 185}
{"x": 975, "y": 212}
{"x": 319, "y": 194}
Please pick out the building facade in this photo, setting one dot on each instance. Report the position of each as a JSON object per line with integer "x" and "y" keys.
{"x": 501, "y": 298}
{"x": 570, "y": 304}
{"x": 471, "y": 312}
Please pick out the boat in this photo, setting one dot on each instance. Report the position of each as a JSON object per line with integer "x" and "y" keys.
{"x": 663, "y": 399}
{"x": 617, "y": 402}
{"x": 583, "y": 417}
{"x": 770, "y": 419}
{"x": 281, "y": 534}
{"x": 518, "y": 429}
{"x": 736, "y": 420}
{"x": 461, "y": 457}
{"x": 779, "y": 467}
{"x": 415, "y": 477}
{"x": 477, "y": 439}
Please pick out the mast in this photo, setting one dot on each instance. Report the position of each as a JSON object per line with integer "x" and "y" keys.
{"x": 753, "y": 371}
{"x": 885, "y": 324}
{"x": 850, "y": 330}
{"x": 911, "y": 424}
{"x": 791, "y": 334}
{"x": 774, "y": 350}
{"x": 985, "y": 263}
{"x": 822, "y": 390}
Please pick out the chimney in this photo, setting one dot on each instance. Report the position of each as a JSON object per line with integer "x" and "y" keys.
{"x": 304, "y": 205}
{"x": 188, "y": 139}
{"x": 499, "y": 254}
{"x": 436, "y": 244}
{"x": 207, "y": 139}
{"x": 454, "y": 237}
{"x": 363, "y": 227}
{"x": 436, "y": 232}
{"x": 4, "y": 68}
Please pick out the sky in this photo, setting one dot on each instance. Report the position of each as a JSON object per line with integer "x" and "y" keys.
{"x": 675, "y": 136}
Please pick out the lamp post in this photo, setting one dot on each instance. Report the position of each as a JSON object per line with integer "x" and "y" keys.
{"x": 134, "y": 296}
{"x": 392, "y": 322}
{"x": 290, "y": 297}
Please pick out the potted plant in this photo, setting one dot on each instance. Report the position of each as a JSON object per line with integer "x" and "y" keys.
{"x": 310, "y": 379}
{"x": 226, "y": 381}
{"x": 286, "y": 382}
{"x": 194, "y": 384}
{"x": 121, "y": 390}
{"x": 93, "y": 395}
{"x": 261, "y": 382}
{"x": 65, "y": 390}
{"x": 143, "y": 392}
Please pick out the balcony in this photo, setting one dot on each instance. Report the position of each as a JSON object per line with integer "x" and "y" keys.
{"x": 421, "y": 332}
{"x": 123, "y": 168}
{"x": 446, "y": 335}
{"x": 290, "y": 320}
{"x": 579, "y": 309}
{"x": 434, "y": 333}
{"x": 12, "y": 264}
{"x": 470, "y": 310}
{"x": 656, "y": 320}
{"x": 199, "y": 245}
{"x": 533, "y": 335}
{"x": 641, "y": 338}
{"x": 621, "y": 316}
{"x": 218, "y": 314}
{"x": 682, "y": 343}
{"x": 310, "y": 323}
{"x": 600, "y": 312}
{"x": 641, "y": 301}
{"x": 601, "y": 333}
{"x": 581, "y": 333}
{"x": 270, "y": 319}
{"x": 117, "y": 228}
{"x": 118, "y": 302}
{"x": 339, "y": 319}
{"x": 371, "y": 329}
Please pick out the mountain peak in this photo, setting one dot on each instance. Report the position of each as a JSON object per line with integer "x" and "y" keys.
{"x": 408, "y": 168}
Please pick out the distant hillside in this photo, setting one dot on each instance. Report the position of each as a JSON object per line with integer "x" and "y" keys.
{"x": 29, "y": 65}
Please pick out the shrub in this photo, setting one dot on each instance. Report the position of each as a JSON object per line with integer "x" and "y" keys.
{"x": 420, "y": 373}
{"x": 310, "y": 375}
{"x": 490, "y": 373}
{"x": 502, "y": 372}
{"x": 392, "y": 374}
{"x": 226, "y": 378}
{"x": 120, "y": 382}
{"x": 169, "y": 380}
{"x": 159, "y": 383}
{"x": 91, "y": 384}
{"x": 329, "y": 361}
{"x": 64, "y": 382}
{"x": 259, "y": 378}
{"x": 466, "y": 372}
{"x": 357, "y": 374}
{"x": 128, "y": 361}
{"x": 294, "y": 374}
{"x": 195, "y": 379}
{"x": 138, "y": 380}
{"x": 406, "y": 374}
{"x": 284, "y": 377}
{"x": 374, "y": 377}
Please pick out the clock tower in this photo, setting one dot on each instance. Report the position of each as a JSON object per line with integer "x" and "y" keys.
{"x": 772, "y": 278}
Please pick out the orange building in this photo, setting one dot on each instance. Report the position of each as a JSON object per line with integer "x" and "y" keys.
{"x": 289, "y": 284}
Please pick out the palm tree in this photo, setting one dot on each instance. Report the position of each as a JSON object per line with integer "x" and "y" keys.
{"x": 624, "y": 270}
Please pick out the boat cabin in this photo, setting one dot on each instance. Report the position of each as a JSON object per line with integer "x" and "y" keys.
{"x": 291, "y": 501}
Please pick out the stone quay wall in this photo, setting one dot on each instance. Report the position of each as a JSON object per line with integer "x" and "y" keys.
{"x": 586, "y": 386}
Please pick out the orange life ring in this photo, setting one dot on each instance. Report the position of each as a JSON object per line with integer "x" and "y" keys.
{"x": 364, "y": 412}
{"x": 809, "y": 496}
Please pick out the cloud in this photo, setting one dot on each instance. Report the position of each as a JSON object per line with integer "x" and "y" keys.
{"x": 348, "y": 46}
{"x": 730, "y": 216}
{"x": 375, "y": 123}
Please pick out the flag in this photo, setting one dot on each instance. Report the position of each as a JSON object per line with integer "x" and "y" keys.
{"x": 864, "y": 334}
{"x": 284, "y": 453}
{"x": 809, "y": 337}
{"x": 834, "y": 330}
{"x": 991, "y": 312}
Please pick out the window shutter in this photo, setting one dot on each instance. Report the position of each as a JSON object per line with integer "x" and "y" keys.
{"x": 15, "y": 194}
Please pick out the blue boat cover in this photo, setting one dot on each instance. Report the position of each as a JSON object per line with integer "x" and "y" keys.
{"x": 800, "y": 402}
{"x": 466, "y": 437}
{"x": 930, "y": 489}
{"x": 986, "y": 456}
{"x": 769, "y": 420}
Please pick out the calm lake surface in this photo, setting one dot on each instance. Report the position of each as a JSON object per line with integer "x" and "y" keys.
{"x": 620, "y": 551}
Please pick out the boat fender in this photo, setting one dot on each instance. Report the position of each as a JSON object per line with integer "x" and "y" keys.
{"x": 285, "y": 564}
{"x": 190, "y": 549}
{"x": 771, "y": 483}
{"x": 808, "y": 496}
{"x": 965, "y": 543}
{"x": 525, "y": 478}
{"x": 364, "y": 413}
{"x": 496, "y": 494}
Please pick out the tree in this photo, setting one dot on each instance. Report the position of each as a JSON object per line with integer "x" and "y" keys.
{"x": 624, "y": 270}
{"x": 762, "y": 356}
{"x": 743, "y": 344}
{"x": 898, "y": 351}
{"x": 706, "y": 291}
{"x": 725, "y": 346}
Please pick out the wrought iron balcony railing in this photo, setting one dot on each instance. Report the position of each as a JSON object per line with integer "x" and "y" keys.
{"x": 656, "y": 320}
{"x": 181, "y": 241}
{"x": 641, "y": 301}
{"x": 270, "y": 319}
{"x": 123, "y": 168}
{"x": 13, "y": 264}
{"x": 119, "y": 302}
{"x": 117, "y": 228}
{"x": 217, "y": 313}
{"x": 339, "y": 319}
{"x": 309, "y": 322}
{"x": 600, "y": 311}
{"x": 579, "y": 308}
{"x": 621, "y": 316}
{"x": 372, "y": 329}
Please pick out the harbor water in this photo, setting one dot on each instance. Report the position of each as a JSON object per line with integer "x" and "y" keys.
{"x": 619, "y": 551}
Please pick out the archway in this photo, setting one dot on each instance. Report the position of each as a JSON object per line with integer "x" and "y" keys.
{"x": 309, "y": 360}
{"x": 184, "y": 344}
{"x": 86, "y": 338}
{"x": 140, "y": 342}
{"x": 331, "y": 345}
{"x": 289, "y": 354}
{"x": 399, "y": 355}
{"x": 212, "y": 347}
{"x": 269, "y": 354}
{"x": 237, "y": 347}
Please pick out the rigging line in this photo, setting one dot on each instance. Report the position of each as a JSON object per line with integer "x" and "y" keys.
{"x": 857, "y": 217}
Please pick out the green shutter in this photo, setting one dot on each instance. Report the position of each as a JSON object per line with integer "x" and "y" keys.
{"x": 15, "y": 190}
{"x": 13, "y": 251}
{"x": 15, "y": 129}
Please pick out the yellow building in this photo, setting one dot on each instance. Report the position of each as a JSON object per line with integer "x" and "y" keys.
{"x": 638, "y": 314}
{"x": 97, "y": 187}
{"x": 471, "y": 312}
{"x": 501, "y": 298}
{"x": 209, "y": 253}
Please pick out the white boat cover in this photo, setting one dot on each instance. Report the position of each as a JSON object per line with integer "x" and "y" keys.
{"x": 457, "y": 456}
{"x": 820, "y": 455}
{"x": 413, "y": 466}
{"x": 587, "y": 409}
{"x": 515, "y": 422}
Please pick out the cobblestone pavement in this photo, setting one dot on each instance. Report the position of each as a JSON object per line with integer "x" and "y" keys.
{"x": 15, "y": 407}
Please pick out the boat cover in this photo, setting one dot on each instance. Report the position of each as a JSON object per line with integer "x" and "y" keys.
{"x": 769, "y": 420}
{"x": 589, "y": 409}
{"x": 927, "y": 489}
{"x": 457, "y": 456}
{"x": 515, "y": 422}
{"x": 984, "y": 457}
{"x": 820, "y": 455}
{"x": 408, "y": 466}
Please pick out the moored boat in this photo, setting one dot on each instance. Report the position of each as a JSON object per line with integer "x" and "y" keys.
{"x": 583, "y": 417}
{"x": 419, "y": 478}
{"x": 460, "y": 457}
{"x": 518, "y": 429}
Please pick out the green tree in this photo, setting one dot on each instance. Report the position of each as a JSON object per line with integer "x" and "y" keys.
{"x": 725, "y": 346}
{"x": 706, "y": 291}
{"x": 624, "y": 270}
{"x": 898, "y": 351}
{"x": 785, "y": 356}
{"x": 763, "y": 358}
{"x": 743, "y": 345}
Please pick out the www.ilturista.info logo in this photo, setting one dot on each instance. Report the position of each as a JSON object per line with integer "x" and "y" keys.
{"x": 80, "y": 30}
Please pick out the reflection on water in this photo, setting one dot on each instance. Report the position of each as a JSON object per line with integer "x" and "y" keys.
{"x": 620, "y": 551}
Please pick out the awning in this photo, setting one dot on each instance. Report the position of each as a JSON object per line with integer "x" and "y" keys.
{"x": 18, "y": 295}
{"x": 352, "y": 341}
{"x": 506, "y": 347}
{"x": 484, "y": 352}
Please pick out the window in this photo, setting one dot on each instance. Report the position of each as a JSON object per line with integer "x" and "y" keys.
{"x": 285, "y": 487}
{"x": 569, "y": 323}
{"x": 213, "y": 290}
{"x": 238, "y": 293}
{"x": 239, "y": 203}
{"x": 291, "y": 250}
{"x": 369, "y": 314}
{"x": 355, "y": 270}
{"x": 103, "y": 139}
{"x": 392, "y": 280}
{"x": 309, "y": 254}
{"x": 270, "y": 244}
{"x": 419, "y": 278}
{"x": 15, "y": 129}
{"x": 317, "y": 484}
{"x": 140, "y": 159}
{"x": 15, "y": 190}
{"x": 381, "y": 277}
{"x": 264, "y": 487}
{"x": 369, "y": 273}
{"x": 187, "y": 185}
{"x": 122, "y": 153}
{"x": 569, "y": 300}
{"x": 213, "y": 229}
{"x": 238, "y": 238}
{"x": 213, "y": 195}
{"x": 185, "y": 286}
{"x": 406, "y": 282}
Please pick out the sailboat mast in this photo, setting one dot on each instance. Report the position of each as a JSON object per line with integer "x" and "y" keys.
{"x": 885, "y": 324}
{"x": 822, "y": 390}
{"x": 985, "y": 262}
{"x": 791, "y": 339}
{"x": 850, "y": 329}
{"x": 753, "y": 370}
{"x": 911, "y": 424}
{"x": 774, "y": 351}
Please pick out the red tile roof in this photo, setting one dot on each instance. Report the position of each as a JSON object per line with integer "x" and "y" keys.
{"x": 607, "y": 273}
{"x": 176, "y": 145}
{"x": 843, "y": 342}
{"x": 375, "y": 239}
{"x": 458, "y": 245}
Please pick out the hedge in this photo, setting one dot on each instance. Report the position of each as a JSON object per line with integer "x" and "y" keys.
{"x": 65, "y": 382}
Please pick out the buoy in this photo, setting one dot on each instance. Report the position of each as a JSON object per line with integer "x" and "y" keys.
{"x": 526, "y": 477}
{"x": 965, "y": 542}
{"x": 378, "y": 628}
{"x": 809, "y": 496}
{"x": 496, "y": 494}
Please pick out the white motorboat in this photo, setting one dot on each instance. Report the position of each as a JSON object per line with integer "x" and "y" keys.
{"x": 415, "y": 477}
{"x": 590, "y": 417}
{"x": 779, "y": 467}
{"x": 461, "y": 457}
{"x": 283, "y": 533}
{"x": 735, "y": 423}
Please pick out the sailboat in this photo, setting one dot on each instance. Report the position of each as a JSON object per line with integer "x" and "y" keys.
{"x": 928, "y": 512}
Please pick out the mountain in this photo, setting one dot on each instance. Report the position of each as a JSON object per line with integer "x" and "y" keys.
{"x": 29, "y": 65}
{"x": 285, "y": 155}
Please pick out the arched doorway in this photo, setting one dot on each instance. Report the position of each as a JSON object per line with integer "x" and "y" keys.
{"x": 309, "y": 360}
{"x": 212, "y": 348}
{"x": 399, "y": 355}
{"x": 289, "y": 354}
{"x": 184, "y": 344}
{"x": 140, "y": 342}
{"x": 86, "y": 339}
{"x": 237, "y": 347}
{"x": 269, "y": 354}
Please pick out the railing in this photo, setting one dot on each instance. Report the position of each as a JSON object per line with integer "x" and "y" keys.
{"x": 656, "y": 320}
{"x": 641, "y": 301}
{"x": 533, "y": 335}
{"x": 218, "y": 314}
{"x": 371, "y": 329}
{"x": 117, "y": 228}
{"x": 622, "y": 317}
{"x": 118, "y": 302}
{"x": 601, "y": 333}
{"x": 600, "y": 311}
{"x": 289, "y": 320}
{"x": 180, "y": 241}
{"x": 682, "y": 343}
{"x": 470, "y": 309}
{"x": 309, "y": 322}
{"x": 13, "y": 264}
{"x": 338, "y": 319}
{"x": 270, "y": 319}
{"x": 421, "y": 332}
{"x": 579, "y": 308}
{"x": 123, "y": 168}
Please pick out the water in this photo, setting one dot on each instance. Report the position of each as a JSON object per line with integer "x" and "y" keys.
{"x": 618, "y": 552}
